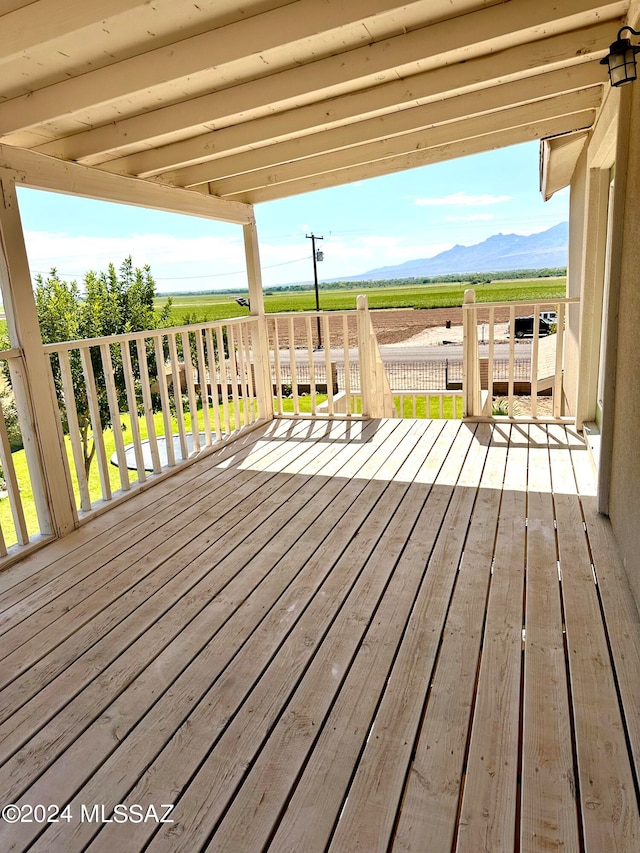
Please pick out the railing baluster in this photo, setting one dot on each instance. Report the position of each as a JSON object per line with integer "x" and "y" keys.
{"x": 224, "y": 384}
{"x": 213, "y": 383}
{"x": 293, "y": 368}
{"x": 233, "y": 376}
{"x": 177, "y": 395}
{"x": 312, "y": 367}
{"x": 164, "y": 399}
{"x": 346, "y": 358}
{"x": 242, "y": 371}
{"x": 143, "y": 370}
{"x": 557, "y": 385}
{"x": 191, "y": 390}
{"x": 13, "y": 489}
{"x": 3, "y": 544}
{"x": 512, "y": 350}
{"x": 490, "y": 359}
{"x": 74, "y": 429}
{"x": 132, "y": 402}
{"x": 96, "y": 424}
{"x": 276, "y": 362}
{"x": 327, "y": 363}
{"x": 534, "y": 361}
{"x": 251, "y": 371}
{"x": 202, "y": 381}
{"x": 114, "y": 411}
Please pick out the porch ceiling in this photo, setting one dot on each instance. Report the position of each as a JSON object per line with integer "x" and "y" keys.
{"x": 269, "y": 98}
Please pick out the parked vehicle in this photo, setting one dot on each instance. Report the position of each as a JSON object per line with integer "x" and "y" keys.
{"x": 550, "y": 316}
{"x": 523, "y": 327}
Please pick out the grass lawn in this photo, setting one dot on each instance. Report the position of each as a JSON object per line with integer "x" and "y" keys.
{"x": 434, "y": 407}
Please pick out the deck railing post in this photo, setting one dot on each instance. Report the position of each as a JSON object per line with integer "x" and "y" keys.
{"x": 31, "y": 376}
{"x": 472, "y": 402}
{"x": 367, "y": 385}
{"x": 377, "y": 400}
{"x": 259, "y": 334}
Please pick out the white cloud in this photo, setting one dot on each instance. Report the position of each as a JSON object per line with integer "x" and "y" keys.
{"x": 473, "y": 217}
{"x": 198, "y": 262}
{"x": 462, "y": 199}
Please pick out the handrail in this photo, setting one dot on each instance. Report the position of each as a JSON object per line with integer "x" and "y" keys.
{"x": 57, "y": 346}
{"x": 564, "y": 300}
{"x": 349, "y": 312}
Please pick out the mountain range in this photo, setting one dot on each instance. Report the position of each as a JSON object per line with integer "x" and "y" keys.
{"x": 495, "y": 254}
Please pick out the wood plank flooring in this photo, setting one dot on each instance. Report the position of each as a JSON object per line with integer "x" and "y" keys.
{"x": 331, "y": 636}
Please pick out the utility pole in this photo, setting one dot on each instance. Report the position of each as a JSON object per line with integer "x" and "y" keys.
{"x": 317, "y": 256}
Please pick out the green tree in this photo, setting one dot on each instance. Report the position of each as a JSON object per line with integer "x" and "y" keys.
{"x": 110, "y": 303}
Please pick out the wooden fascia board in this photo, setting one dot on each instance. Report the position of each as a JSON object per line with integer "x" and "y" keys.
{"x": 301, "y": 19}
{"x": 48, "y": 173}
{"x": 559, "y": 155}
{"x": 256, "y": 34}
{"x": 502, "y": 120}
{"x": 44, "y": 20}
{"x": 415, "y": 159}
{"x": 488, "y": 100}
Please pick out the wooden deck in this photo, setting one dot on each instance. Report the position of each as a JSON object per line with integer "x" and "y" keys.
{"x": 385, "y": 635}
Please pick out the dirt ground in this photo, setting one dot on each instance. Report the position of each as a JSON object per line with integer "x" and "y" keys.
{"x": 392, "y": 326}
{"x": 401, "y": 325}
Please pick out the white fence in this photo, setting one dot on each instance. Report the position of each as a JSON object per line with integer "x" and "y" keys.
{"x": 185, "y": 389}
{"x": 546, "y": 369}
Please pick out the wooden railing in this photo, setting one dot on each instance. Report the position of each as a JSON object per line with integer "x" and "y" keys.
{"x": 24, "y": 517}
{"x": 546, "y": 371}
{"x": 303, "y": 352}
{"x": 176, "y": 392}
{"x": 303, "y": 372}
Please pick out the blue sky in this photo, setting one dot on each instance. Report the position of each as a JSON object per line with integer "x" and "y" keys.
{"x": 388, "y": 220}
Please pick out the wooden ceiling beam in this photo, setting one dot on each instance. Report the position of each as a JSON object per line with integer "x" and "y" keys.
{"x": 48, "y": 173}
{"x": 44, "y": 20}
{"x": 416, "y": 159}
{"x": 463, "y": 38}
{"x": 301, "y": 19}
{"x": 528, "y": 59}
{"x": 486, "y": 100}
{"x": 575, "y": 102}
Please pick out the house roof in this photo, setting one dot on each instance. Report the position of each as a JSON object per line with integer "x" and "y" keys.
{"x": 264, "y": 99}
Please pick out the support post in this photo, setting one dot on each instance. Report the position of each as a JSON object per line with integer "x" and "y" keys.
{"x": 593, "y": 275}
{"x": 33, "y": 381}
{"x": 260, "y": 340}
{"x": 472, "y": 402}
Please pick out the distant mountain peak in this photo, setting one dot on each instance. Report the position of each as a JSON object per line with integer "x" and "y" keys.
{"x": 498, "y": 253}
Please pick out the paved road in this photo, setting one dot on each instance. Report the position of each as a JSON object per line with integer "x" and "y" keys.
{"x": 394, "y": 353}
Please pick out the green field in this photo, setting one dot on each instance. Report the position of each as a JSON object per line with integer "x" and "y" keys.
{"x": 203, "y": 307}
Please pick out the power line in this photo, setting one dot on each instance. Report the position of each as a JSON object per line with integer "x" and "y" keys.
{"x": 184, "y": 277}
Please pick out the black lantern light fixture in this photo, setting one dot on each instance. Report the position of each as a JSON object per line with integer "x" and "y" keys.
{"x": 621, "y": 59}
